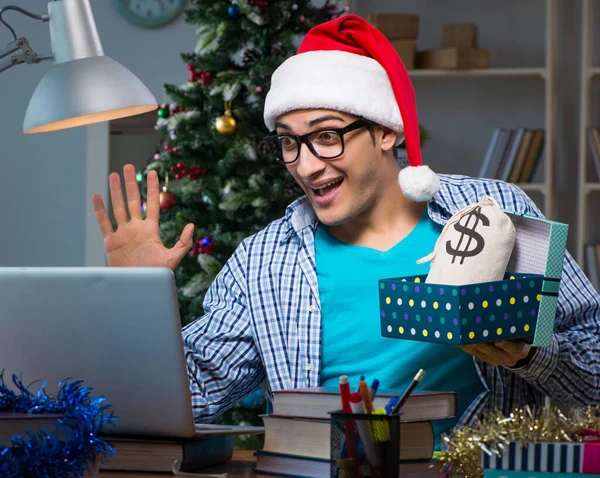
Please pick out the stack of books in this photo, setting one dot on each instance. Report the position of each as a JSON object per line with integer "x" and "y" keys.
{"x": 298, "y": 431}
{"x": 513, "y": 155}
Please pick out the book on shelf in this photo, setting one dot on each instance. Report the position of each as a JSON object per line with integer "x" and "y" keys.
{"x": 513, "y": 154}
{"x": 592, "y": 264}
{"x": 508, "y": 159}
{"x": 593, "y": 136}
{"x": 279, "y": 464}
{"x": 513, "y": 175}
{"x": 312, "y": 437}
{"x": 317, "y": 402}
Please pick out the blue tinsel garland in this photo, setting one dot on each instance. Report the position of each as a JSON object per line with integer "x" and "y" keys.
{"x": 42, "y": 454}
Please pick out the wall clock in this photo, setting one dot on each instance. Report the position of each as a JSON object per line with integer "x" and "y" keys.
{"x": 150, "y": 13}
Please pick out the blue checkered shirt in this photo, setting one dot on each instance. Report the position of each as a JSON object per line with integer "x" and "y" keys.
{"x": 263, "y": 319}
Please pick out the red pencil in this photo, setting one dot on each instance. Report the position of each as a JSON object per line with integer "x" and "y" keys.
{"x": 346, "y": 408}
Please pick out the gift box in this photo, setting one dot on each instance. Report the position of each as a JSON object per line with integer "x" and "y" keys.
{"x": 529, "y": 474}
{"x": 553, "y": 459}
{"x": 522, "y": 305}
{"x": 406, "y": 50}
{"x": 396, "y": 26}
{"x": 453, "y": 58}
{"x": 460, "y": 34}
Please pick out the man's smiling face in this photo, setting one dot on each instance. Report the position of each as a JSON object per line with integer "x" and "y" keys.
{"x": 342, "y": 188}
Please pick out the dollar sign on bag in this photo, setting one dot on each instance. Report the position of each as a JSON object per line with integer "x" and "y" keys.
{"x": 463, "y": 249}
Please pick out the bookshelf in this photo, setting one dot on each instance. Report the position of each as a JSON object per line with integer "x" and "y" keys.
{"x": 586, "y": 188}
{"x": 546, "y": 74}
{"x": 481, "y": 73}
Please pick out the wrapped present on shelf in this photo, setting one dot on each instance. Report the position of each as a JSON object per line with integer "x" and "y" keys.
{"x": 460, "y": 34}
{"x": 453, "y": 58}
{"x": 396, "y": 26}
{"x": 406, "y": 49}
{"x": 520, "y": 306}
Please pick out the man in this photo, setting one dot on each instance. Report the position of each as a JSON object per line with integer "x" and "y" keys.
{"x": 297, "y": 303}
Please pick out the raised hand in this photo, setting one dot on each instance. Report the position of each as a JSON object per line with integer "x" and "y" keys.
{"x": 136, "y": 242}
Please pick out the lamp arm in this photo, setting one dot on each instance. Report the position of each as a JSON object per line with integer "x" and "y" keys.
{"x": 19, "y": 51}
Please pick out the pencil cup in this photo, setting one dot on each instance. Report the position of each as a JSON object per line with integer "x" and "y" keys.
{"x": 364, "y": 445}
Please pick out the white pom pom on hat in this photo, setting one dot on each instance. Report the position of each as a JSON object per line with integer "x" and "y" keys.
{"x": 348, "y": 65}
{"x": 418, "y": 183}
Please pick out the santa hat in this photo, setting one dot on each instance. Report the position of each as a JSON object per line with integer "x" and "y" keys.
{"x": 348, "y": 65}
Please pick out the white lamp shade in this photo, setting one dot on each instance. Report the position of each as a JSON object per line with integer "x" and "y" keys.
{"x": 86, "y": 91}
{"x": 84, "y": 86}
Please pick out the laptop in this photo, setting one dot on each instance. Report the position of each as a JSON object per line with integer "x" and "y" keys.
{"x": 116, "y": 329}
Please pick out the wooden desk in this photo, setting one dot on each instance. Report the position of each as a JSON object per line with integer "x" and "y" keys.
{"x": 240, "y": 466}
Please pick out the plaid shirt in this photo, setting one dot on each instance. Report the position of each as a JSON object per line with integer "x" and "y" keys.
{"x": 263, "y": 319}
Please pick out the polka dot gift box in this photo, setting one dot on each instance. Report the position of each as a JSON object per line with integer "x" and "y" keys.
{"x": 522, "y": 305}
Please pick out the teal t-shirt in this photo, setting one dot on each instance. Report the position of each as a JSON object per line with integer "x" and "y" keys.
{"x": 351, "y": 339}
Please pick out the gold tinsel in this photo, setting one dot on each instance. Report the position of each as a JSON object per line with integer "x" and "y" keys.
{"x": 461, "y": 457}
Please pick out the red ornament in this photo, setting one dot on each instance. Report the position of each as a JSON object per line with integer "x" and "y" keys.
{"x": 173, "y": 169}
{"x": 178, "y": 176}
{"x": 180, "y": 165}
{"x": 167, "y": 147}
{"x": 167, "y": 199}
{"x": 203, "y": 246}
{"x": 259, "y": 3}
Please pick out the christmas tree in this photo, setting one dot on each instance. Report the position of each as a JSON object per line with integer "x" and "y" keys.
{"x": 214, "y": 171}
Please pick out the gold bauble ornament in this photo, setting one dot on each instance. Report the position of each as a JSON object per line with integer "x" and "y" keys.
{"x": 226, "y": 123}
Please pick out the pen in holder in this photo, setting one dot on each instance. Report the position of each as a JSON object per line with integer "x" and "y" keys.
{"x": 377, "y": 445}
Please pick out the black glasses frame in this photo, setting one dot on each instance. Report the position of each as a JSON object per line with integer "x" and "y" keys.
{"x": 273, "y": 140}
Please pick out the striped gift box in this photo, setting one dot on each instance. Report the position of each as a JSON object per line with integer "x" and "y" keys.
{"x": 561, "y": 457}
{"x": 531, "y": 474}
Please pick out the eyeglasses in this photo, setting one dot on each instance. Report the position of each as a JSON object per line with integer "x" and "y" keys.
{"x": 323, "y": 143}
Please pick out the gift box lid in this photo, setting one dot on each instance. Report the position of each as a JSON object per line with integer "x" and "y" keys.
{"x": 540, "y": 246}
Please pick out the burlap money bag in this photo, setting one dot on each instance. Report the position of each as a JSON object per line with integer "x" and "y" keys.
{"x": 474, "y": 246}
